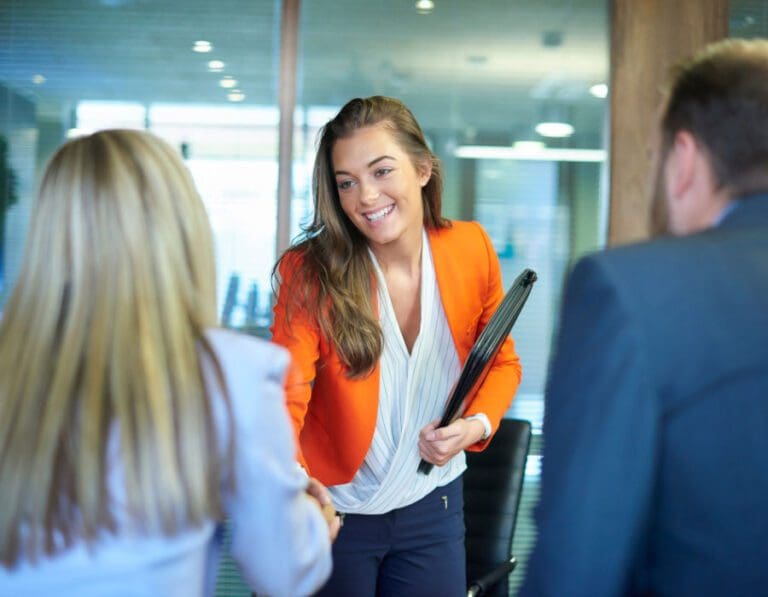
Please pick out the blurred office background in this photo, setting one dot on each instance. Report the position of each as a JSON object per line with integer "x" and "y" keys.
{"x": 511, "y": 94}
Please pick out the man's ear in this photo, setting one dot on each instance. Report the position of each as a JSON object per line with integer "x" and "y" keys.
{"x": 683, "y": 161}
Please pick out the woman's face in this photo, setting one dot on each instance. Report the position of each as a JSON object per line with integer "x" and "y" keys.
{"x": 379, "y": 186}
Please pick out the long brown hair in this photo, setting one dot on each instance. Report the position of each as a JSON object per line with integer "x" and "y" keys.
{"x": 101, "y": 338}
{"x": 335, "y": 274}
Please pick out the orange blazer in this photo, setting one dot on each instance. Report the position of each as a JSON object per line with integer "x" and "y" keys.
{"x": 334, "y": 416}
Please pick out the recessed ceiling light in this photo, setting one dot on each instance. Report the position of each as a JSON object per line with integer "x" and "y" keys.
{"x": 547, "y": 154}
{"x": 228, "y": 82}
{"x": 599, "y": 90}
{"x": 424, "y": 6}
{"x": 554, "y": 129}
{"x": 235, "y": 96}
{"x": 38, "y": 79}
{"x": 202, "y": 46}
{"x": 215, "y": 65}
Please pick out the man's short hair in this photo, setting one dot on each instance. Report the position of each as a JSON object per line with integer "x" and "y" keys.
{"x": 721, "y": 97}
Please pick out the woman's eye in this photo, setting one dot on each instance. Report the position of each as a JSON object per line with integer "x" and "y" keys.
{"x": 383, "y": 171}
{"x": 344, "y": 184}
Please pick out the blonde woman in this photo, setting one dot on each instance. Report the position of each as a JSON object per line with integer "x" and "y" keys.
{"x": 129, "y": 426}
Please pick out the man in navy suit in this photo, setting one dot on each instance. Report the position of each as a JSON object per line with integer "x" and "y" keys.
{"x": 655, "y": 462}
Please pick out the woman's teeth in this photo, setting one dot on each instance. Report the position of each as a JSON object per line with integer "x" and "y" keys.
{"x": 377, "y": 215}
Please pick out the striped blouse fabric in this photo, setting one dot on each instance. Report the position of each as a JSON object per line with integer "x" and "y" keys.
{"x": 413, "y": 391}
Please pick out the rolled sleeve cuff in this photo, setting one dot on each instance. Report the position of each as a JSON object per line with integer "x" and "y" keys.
{"x": 483, "y": 418}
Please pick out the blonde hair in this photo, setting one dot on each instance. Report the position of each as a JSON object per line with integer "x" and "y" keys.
{"x": 101, "y": 337}
{"x": 334, "y": 268}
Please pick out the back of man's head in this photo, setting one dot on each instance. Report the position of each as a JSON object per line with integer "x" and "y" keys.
{"x": 721, "y": 97}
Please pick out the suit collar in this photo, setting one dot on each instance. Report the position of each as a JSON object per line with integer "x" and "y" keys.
{"x": 751, "y": 210}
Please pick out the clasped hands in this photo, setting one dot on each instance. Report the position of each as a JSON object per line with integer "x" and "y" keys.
{"x": 438, "y": 446}
{"x": 320, "y": 493}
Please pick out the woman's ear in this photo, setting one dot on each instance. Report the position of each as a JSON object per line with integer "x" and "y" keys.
{"x": 425, "y": 173}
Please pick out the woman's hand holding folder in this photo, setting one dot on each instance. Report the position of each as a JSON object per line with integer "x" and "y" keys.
{"x": 437, "y": 445}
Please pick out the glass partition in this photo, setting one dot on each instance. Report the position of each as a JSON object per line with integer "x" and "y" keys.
{"x": 748, "y": 18}
{"x": 200, "y": 74}
{"x": 511, "y": 96}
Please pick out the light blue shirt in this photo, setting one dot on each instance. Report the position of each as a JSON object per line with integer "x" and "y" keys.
{"x": 724, "y": 213}
{"x": 279, "y": 537}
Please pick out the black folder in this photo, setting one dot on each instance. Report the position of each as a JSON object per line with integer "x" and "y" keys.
{"x": 484, "y": 351}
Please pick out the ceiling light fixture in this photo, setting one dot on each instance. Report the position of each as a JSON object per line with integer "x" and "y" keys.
{"x": 235, "y": 96}
{"x": 216, "y": 65}
{"x": 599, "y": 90}
{"x": 424, "y": 7}
{"x": 202, "y": 46}
{"x": 543, "y": 154}
{"x": 228, "y": 82}
{"x": 38, "y": 79}
{"x": 554, "y": 129}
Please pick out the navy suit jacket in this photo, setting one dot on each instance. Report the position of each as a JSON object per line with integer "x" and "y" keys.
{"x": 655, "y": 461}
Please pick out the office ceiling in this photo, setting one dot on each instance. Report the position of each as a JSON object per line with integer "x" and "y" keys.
{"x": 485, "y": 69}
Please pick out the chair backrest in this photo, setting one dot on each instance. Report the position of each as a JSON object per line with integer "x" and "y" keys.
{"x": 493, "y": 484}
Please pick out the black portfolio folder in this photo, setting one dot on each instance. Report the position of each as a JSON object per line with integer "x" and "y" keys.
{"x": 484, "y": 351}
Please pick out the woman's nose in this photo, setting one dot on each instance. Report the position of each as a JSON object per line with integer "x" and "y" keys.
{"x": 369, "y": 192}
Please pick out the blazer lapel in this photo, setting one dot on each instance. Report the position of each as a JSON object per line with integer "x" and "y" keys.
{"x": 452, "y": 283}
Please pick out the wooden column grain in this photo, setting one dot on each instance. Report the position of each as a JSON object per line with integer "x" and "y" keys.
{"x": 647, "y": 38}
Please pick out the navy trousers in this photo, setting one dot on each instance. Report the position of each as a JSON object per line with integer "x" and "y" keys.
{"x": 414, "y": 551}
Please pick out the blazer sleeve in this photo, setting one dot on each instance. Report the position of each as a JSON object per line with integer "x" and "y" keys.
{"x": 279, "y": 536}
{"x": 600, "y": 445}
{"x": 495, "y": 395}
{"x": 301, "y": 336}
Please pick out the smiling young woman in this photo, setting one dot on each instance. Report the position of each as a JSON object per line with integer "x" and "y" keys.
{"x": 379, "y": 305}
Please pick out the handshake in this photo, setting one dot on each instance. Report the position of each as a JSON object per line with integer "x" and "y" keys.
{"x": 320, "y": 494}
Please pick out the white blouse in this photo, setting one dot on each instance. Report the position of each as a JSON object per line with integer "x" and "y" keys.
{"x": 413, "y": 390}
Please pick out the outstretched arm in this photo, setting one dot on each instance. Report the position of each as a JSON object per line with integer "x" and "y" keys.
{"x": 280, "y": 538}
{"x": 299, "y": 334}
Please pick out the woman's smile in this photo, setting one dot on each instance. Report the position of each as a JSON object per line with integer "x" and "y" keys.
{"x": 379, "y": 214}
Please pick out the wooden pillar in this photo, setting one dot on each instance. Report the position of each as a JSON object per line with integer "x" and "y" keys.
{"x": 647, "y": 38}
{"x": 289, "y": 41}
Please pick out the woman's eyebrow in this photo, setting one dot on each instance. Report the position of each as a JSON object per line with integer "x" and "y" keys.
{"x": 368, "y": 165}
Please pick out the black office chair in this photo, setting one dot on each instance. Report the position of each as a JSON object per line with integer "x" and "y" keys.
{"x": 493, "y": 484}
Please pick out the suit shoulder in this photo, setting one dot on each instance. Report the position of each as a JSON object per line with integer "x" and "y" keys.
{"x": 643, "y": 275}
{"x": 654, "y": 257}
